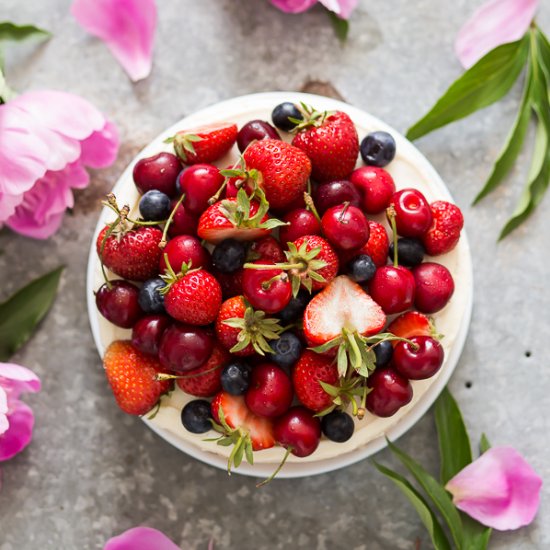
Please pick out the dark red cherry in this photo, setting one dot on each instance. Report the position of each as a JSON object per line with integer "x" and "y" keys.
{"x": 267, "y": 248}
{"x": 389, "y": 392}
{"x": 376, "y": 187}
{"x": 413, "y": 215}
{"x": 184, "y": 348}
{"x": 346, "y": 227}
{"x": 334, "y": 193}
{"x": 182, "y": 250}
{"x": 300, "y": 222}
{"x": 418, "y": 360}
{"x": 183, "y": 222}
{"x": 270, "y": 391}
{"x": 158, "y": 172}
{"x": 148, "y": 331}
{"x": 118, "y": 303}
{"x": 299, "y": 431}
{"x": 434, "y": 287}
{"x": 255, "y": 130}
{"x": 199, "y": 183}
{"x": 393, "y": 288}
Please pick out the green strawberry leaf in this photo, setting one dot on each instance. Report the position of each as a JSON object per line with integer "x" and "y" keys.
{"x": 21, "y": 312}
{"x": 454, "y": 444}
{"x": 428, "y": 518}
{"x": 486, "y": 82}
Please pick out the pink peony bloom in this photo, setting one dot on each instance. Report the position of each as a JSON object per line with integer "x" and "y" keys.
{"x": 141, "y": 538}
{"x": 499, "y": 489}
{"x": 126, "y": 26}
{"x": 493, "y": 24}
{"x": 16, "y": 418}
{"x": 46, "y": 140}
{"x": 342, "y": 8}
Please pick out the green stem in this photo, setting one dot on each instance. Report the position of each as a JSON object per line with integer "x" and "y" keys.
{"x": 279, "y": 468}
{"x": 163, "y": 241}
{"x": 311, "y": 205}
{"x": 265, "y": 267}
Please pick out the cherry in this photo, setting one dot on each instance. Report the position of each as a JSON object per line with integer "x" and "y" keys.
{"x": 148, "y": 331}
{"x": 389, "y": 392}
{"x": 184, "y": 347}
{"x": 376, "y": 187}
{"x": 270, "y": 391}
{"x": 346, "y": 227}
{"x": 419, "y": 359}
{"x": 301, "y": 222}
{"x": 183, "y": 222}
{"x": 182, "y": 250}
{"x": 334, "y": 193}
{"x": 299, "y": 431}
{"x": 157, "y": 172}
{"x": 413, "y": 215}
{"x": 255, "y": 130}
{"x": 434, "y": 287}
{"x": 199, "y": 183}
{"x": 267, "y": 248}
{"x": 392, "y": 287}
{"x": 118, "y": 302}
{"x": 267, "y": 289}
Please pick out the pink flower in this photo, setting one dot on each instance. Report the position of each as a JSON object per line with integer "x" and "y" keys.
{"x": 499, "y": 489}
{"x": 126, "y": 26}
{"x": 496, "y": 22}
{"x": 342, "y": 8}
{"x": 141, "y": 538}
{"x": 16, "y": 418}
{"x": 46, "y": 140}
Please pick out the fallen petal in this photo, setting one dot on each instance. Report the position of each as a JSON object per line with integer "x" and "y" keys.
{"x": 4, "y": 424}
{"x": 19, "y": 433}
{"x": 499, "y": 489}
{"x": 126, "y": 26}
{"x": 16, "y": 379}
{"x": 142, "y": 538}
{"x": 494, "y": 23}
{"x": 293, "y": 6}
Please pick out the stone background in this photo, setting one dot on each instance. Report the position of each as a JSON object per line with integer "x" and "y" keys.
{"x": 92, "y": 472}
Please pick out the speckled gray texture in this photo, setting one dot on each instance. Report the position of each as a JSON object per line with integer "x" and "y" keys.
{"x": 92, "y": 472}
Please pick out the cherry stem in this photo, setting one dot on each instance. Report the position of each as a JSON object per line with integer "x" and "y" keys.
{"x": 163, "y": 376}
{"x": 391, "y": 215}
{"x": 279, "y": 468}
{"x": 169, "y": 221}
{"x": 169, "y": 268}
{"x": 310, "y": 205}
{"x": 266, "y": 285}
{"x": 343, "y": 213}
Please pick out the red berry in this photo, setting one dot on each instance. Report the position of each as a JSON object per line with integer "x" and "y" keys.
{"x": 444, "y": 233}
{"x": 181, "y": 250}
{"x": 418, "y": 360}
{"x": 345, "y": 227}
{"x": 334, "y": 193}
{"x": 231, "y": 283}
{"x": 326, "y": 254}
{"x": 183, "y": 223}
{"x": 185, "y": 347}
{"x": 299, "y": 431}
{"x": 377, "y": 246}
{"x": 157, "y": 172}
{"x": 434, "y": 287}
{"x": 118, "y": 302}
{"x": 255, "y": 130}
{"x": 199, "y": 183}
{"x": 147, "y": 333}
{"x": 392, "y": 288}
{"x": 413, "y": 215}
{"x": 376, "y": 187}
{"x": 270, "y": 391}
{"x": 269, "y": 290}
{"x": 389, "y": 392}
{"x": 300, "y": 222}
{"x": 411, "y": 323}
{"x": 267, "y": 248}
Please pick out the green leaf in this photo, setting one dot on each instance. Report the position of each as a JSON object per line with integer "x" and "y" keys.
{"x": 6, "y": 93}
{"x": 486, "y": 82}
{"x": 484, "y": 444}
{"x": 455, "y": 452}
{"x": 428, "y": 518}
{"x": 341, "y": 28}
{"x": 21, "y": 313}
{"x": 18, "y": 33}
{"x": 544, "y": 50}
{"x": 476, "y": 536}
{"x": 435, "y": 492}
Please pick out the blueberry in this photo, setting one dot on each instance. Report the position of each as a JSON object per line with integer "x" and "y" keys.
{"x": 361, "y": 268}
{"x": 295, "y": 307}
{"x": 378, "y": 149}
{"x": 287, "y": 350}
{"x": 235, "y": 377}
{"x": 196, "y": 416}
{"x": 150, "y": 299}
{"x": 280, "y": 115}
{"x": 383, "y": 352}
{"x": 229, "y": 256}
{"x": 338, "y": 426}
{"x": 154, "y": 206}
{"x": 410, "y": 252}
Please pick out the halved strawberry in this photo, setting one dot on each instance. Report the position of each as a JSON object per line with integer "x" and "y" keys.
{"x": 412, "y": 323}
{"x": 240, "y": 218}
{"x": 205, "y": 144}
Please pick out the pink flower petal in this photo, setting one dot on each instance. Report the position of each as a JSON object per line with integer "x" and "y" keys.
{"x": 4, "y": 424}
{"x": 101, "y": 148}
{"x": 342, "y": 8}
{"x": 141, "y": 538}
{"x": 126, "y": 26}
{"x": 41, "y": 213}
{"x": 499, "y": 489}
{"x": 18, "y": 380}
{"x": 496, "y": 22}
{"x": 19, "y": 433}
{"x": 293, "y": 6}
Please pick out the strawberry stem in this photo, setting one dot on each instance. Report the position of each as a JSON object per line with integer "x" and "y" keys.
{"x": 279, "y": 468}
{"x": 169, "y": 221}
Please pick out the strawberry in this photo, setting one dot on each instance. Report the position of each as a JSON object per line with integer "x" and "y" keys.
{"x": 244, "y": 331}
{"x": 412, "y": 323}
{"x": 310, "y": 369}
{"x": 132, "y": 254}
{"x": 376, "y": 247}
{"x": 192, "y": 296}
{"x": 330, "y": 140}
{"x": 444, "y": 233}
{"x": 204, "y": 381}
{"x": 240, "y": 218}
{"x": 279, "y": 169}
{"x": 132, "y": 377}
{"x": 206, "y": 144}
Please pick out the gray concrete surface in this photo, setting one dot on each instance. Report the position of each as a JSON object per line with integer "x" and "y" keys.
{"x": 92, "y": 472}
